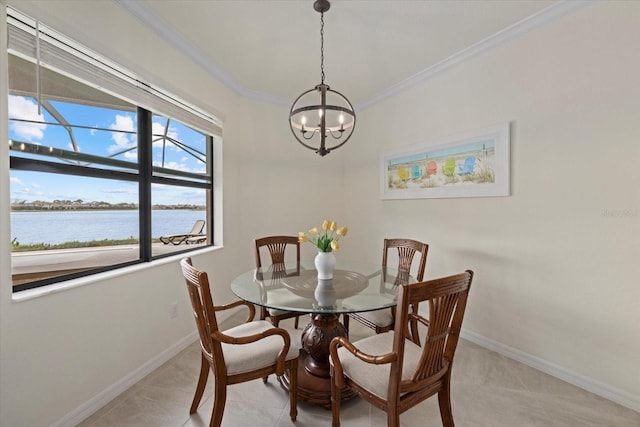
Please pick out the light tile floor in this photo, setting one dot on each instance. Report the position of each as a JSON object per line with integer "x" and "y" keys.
{"x": 488, "y": 390}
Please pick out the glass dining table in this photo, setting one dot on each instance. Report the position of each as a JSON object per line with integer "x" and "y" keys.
{"x": 295, "y": 287}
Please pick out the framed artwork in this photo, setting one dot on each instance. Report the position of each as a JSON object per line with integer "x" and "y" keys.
{"x": 475, "y": 164}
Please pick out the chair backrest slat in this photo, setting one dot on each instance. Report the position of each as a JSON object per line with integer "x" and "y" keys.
{"x": 407, "y": 249}
{"x": 277, "y": 246}
{"x": 447, "y": 298}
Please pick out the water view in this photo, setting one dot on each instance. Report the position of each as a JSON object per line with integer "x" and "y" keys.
{"x": 64, "y": 226}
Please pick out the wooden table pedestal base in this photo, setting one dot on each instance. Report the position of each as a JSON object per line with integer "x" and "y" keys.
{"x": 314, "y": 379}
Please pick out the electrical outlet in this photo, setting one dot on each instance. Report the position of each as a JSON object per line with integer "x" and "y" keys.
{"x": 173, "y": 310}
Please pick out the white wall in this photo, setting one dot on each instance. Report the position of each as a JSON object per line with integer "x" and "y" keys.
{"x": 556, "y": 262}
{"x": 66, "y": 353}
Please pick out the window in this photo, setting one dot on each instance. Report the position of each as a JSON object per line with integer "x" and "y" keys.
{"x": 96, "y": 179}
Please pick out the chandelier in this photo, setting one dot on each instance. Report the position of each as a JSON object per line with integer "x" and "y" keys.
{"x": 322, "y": 119}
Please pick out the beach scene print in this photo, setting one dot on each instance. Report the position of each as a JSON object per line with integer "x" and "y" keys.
{"x": 473, "y": 164}
{"x": 465, "y": 164}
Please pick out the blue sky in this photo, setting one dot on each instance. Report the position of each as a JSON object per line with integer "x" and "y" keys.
{"x": 30, "y": 186}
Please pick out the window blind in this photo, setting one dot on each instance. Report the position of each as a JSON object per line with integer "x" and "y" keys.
{"x": 70, "y": 58}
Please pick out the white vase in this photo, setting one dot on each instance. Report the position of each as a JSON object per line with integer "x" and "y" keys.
{"x": 325, "y": 263}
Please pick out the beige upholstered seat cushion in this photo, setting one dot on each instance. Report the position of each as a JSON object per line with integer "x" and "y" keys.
{"x": 248, "y": 357}
{"x": 282, "y": 297}
{"x": 380, "y": 318}
{"x": 276, "y": 312}
{"x": 375, "y": 378}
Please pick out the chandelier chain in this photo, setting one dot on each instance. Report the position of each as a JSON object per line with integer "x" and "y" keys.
{"x": 322, "y": 47}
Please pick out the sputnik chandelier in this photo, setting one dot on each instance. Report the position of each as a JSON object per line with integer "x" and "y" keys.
{"x": 322, "y": 114}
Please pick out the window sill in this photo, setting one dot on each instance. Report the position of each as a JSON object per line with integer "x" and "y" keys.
{"x": 107, "y": 275}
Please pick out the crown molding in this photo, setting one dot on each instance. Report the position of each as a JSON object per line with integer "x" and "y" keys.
{"x": 165, "y": 31}
{"x": 169, "y": 34}
{"x": 537, "y": 20}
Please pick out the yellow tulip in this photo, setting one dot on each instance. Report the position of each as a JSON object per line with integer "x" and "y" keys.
{"x": 333, "y": 226}
{"x": 335, "y": 246}
{"x": 302, "y": 237}
{"x": 314, "y": 231}
{"x": 342, "y": 231}
{"x": 326, "y": 224}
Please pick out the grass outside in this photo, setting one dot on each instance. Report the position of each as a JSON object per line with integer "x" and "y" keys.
{"x": 17, "y": 247}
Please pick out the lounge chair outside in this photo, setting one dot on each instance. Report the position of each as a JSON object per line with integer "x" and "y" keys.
{"x": 177, "y": 239}
{"x": 196, "y": 240}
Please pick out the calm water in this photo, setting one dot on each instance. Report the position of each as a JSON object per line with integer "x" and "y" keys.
{"x": 58, "y": 227}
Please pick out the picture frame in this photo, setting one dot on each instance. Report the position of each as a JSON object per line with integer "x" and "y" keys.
{"x": 474, "y": 164}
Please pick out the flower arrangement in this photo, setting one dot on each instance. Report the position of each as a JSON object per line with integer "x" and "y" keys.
{"x": 326, "y": 241}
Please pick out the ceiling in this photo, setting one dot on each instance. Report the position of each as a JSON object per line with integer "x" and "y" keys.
{"x": 270, "y": 49}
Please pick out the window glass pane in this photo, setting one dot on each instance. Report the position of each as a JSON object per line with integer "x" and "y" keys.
{"x": 177, "y": 148}
{"x": 63, "y": 224}
{"x": 179, "y": 218}
{"x": 75, "y": 124}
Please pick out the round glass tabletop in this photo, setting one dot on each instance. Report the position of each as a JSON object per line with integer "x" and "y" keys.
{"x": 291, "y": 287}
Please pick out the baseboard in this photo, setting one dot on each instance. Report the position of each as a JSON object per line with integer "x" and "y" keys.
{"x": 589, "y": 384}
{"x": 93, "y": 405}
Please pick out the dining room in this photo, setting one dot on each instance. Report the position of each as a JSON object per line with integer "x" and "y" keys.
{"x": 552, "y": 317}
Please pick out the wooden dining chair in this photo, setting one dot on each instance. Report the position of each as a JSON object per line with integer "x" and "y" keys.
{"x": 383, "y": 320}
{"x": 252, "y": 350}
{"x": 392, "y": 372}
{"x": 277, "y": 246}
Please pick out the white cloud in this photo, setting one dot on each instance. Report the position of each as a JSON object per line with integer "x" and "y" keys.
{"x": 22, "y": 191}
{"x": 23, "y": 108}
{"x": 131, "y": 155}
{"x": 119, "y": 191}
{"x": 158, "y": 129}
{"x": 173, "y": 165}
{"x": 122, "y": 140}
{"x": 16, "y": 181}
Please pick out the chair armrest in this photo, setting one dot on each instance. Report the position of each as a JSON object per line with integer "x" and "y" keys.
{"x": 280, "y": 359}
{"x": 368, "y": 358}
{"x": 251, "y": 307}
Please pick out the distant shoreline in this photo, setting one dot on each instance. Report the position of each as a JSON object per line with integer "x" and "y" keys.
{"x": 103, "y": 209}
{"x": 77, "y": 206}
